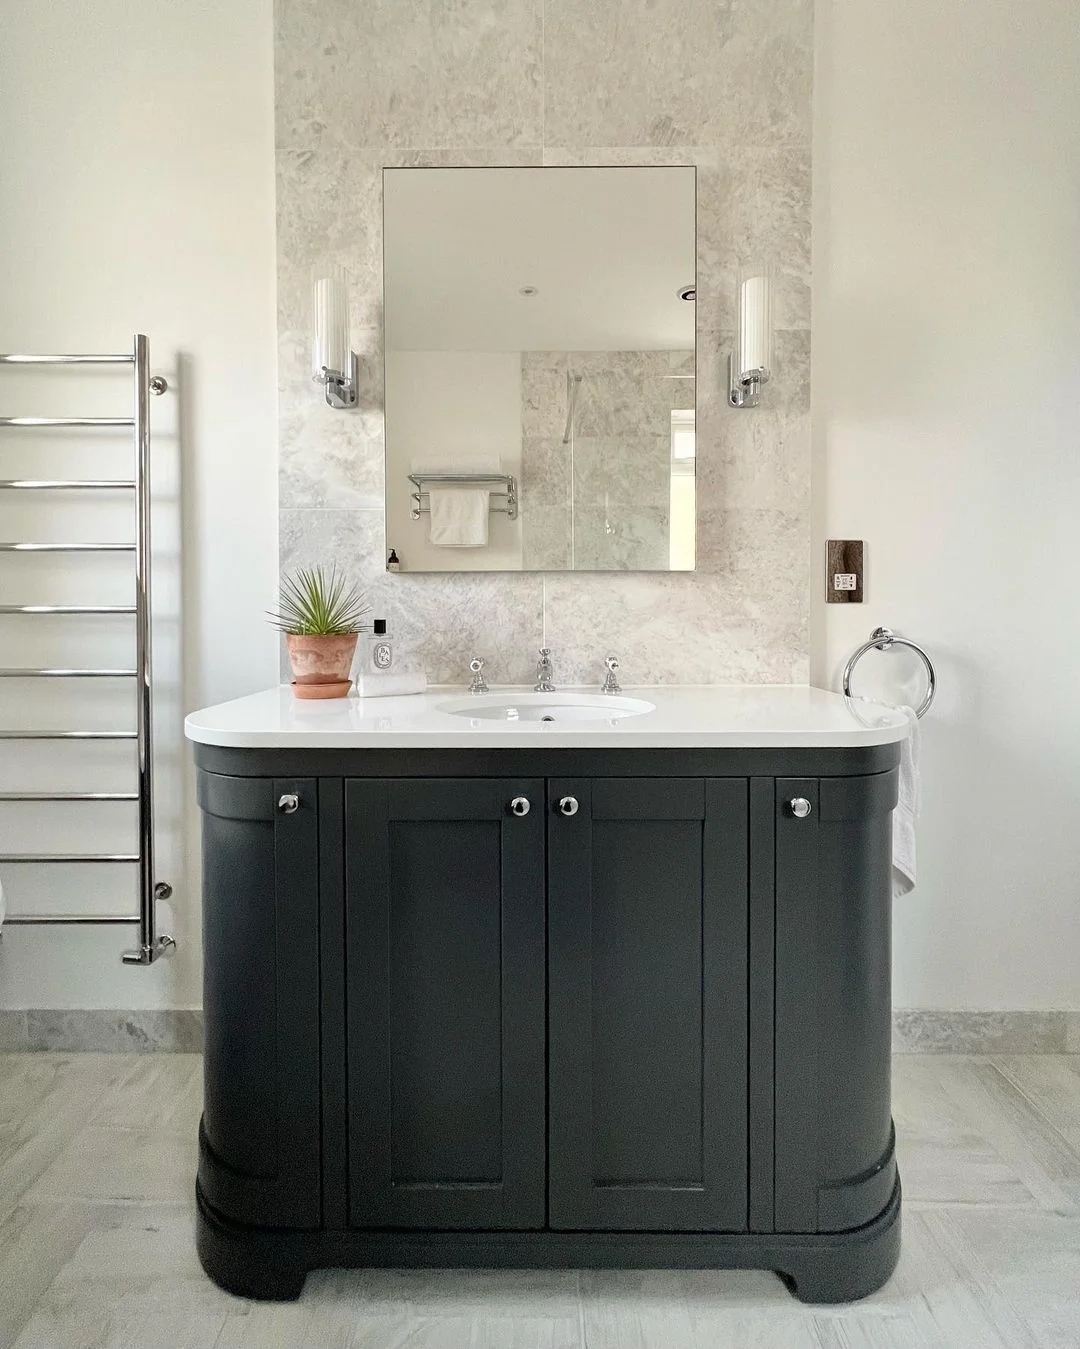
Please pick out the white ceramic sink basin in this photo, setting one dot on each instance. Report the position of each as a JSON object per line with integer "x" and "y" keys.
{"x": 556, "y": 707}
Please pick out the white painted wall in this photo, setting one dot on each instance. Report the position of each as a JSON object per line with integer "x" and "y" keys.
{"x": 450, "y": 405}
{"x": 136, "y": 175}
{"x": 946, "y": 413}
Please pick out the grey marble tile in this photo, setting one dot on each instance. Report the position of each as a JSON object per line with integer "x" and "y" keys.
{"x": 13, "y": 1030}
{"x": 437, "y": 621}
{"x": 329, "y": 457}
{"x": 684, "y": 628}
{"x": 1051, "y": 1082}
{"x": 450, "y": 72}
{"x": 966, "y": 1134}
{"x": 133, "y": 1282}
{"x": 170, "y": 1030}
{"x": 662, "y": 72}
{"x": 931, "y": 1031}
{"x": 755, "y": 458}
{"x": 1072, "y": 1032}
{"x": 44, "y": 1102}
{"x": 1024, "y": 1268}
{"x": 159, "y": 1091}
{"x": 35, "y": 1244}
{"x": 108, "y": 1164}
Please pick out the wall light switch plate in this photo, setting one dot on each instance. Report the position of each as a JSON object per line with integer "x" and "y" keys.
{"x": 844, "y": 571}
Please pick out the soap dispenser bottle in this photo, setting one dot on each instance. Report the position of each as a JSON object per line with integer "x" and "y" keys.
{"x": 380, "y": 650}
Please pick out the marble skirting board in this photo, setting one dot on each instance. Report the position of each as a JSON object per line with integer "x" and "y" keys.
{"x": 915, "y": 1031}
{"x": 168, "y": 1031}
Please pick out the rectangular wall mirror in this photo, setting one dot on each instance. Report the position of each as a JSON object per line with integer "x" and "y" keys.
{"x": 540, "y": 369}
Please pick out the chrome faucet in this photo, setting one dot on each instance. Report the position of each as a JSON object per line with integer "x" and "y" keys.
{"x": 611, "y": 680}
{"x": 479, "y": 683}
{"x": 544, "y": 673}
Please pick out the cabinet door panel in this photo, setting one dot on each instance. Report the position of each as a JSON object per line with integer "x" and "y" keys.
{"x": 446, "y": 948}
{"x": 647, "y": 987}
{"x": 834, "y": 1167}
{"x": 260, "y": 1156}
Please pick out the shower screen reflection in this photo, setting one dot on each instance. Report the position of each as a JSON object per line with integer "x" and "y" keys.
{"x": 540, "y": 363}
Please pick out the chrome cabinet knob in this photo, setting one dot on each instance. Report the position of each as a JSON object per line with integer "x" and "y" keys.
{"x": 520, "y": 806}
{"x": 568, "y": 805}
{"x": 800, "y": 807}
{"x": 288, "y": 804}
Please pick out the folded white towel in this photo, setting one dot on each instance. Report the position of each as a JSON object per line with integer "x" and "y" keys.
{"x": 459, "y": 517}
{"x": 906, "y": 812}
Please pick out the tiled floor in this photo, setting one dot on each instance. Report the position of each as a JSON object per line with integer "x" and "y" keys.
{"x": 97, "y": 1155}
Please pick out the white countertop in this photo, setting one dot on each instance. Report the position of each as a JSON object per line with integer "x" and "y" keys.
{"x": 746, "y": 716}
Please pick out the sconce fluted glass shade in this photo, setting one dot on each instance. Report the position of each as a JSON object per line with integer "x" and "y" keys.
{"x": 330, "y": 348}
{"x": 754, "y": 349}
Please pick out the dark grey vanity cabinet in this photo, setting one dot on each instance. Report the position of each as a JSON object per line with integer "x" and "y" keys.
{"x": 647, "y": 912}
{"x": 259, "y": 1137}
{"x": 521, "y": 1008}
{"x": 445, "y": 951}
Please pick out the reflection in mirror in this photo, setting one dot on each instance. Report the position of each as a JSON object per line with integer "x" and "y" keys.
{"x": 540, "y": 369}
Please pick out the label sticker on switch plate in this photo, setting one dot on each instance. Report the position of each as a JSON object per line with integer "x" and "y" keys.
{"x": 844, "y": 571}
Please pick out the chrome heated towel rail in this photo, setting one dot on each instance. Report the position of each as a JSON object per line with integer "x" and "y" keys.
{"x": 152, "y": 943}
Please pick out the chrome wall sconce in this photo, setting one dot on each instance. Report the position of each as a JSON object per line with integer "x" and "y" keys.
{"x": 333, "y": 362}
{"x": 750, "y": 363}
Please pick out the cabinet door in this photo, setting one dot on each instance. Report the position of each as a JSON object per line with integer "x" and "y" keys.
{"x": 834, "y": 1163}
{"x": 259, "y": 1159}
{"x": 647, "y": 918}
{"x": 445, "y": 945}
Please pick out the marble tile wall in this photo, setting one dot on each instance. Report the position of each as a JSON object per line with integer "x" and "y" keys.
{"x": 616, "y": 468}
{"x": 363, "y": 84}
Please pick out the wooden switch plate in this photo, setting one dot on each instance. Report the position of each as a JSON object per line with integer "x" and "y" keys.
{"x": 844, "y": 571}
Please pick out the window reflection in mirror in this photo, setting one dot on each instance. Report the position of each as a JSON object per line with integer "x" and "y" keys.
{"x": 540, "y": 368}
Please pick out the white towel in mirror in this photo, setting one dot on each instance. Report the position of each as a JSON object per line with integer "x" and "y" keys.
{"x": 459, "y": 517}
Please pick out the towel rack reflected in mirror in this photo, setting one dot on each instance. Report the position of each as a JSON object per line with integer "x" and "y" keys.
{"x": 503, "y": 503}
{"x": 882, "y": 639}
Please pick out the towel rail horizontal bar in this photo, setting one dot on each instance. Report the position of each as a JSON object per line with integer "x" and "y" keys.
{"x": 69, "y": 857}
{"x": 67, "y": 547}
{"x": 68, "y": 735}
{"x": 67, "y": 608}
{"x": 53, "y": 919}
{"x": 69, "y": 796}
{"x": 65, "y": 484}
{"x": 67, "y": 421}
{"x": 20, "y": 358}
{"x": 19, "y": 672}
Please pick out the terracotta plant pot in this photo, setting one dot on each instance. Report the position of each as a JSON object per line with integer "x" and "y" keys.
{"x": 321, "y": 662}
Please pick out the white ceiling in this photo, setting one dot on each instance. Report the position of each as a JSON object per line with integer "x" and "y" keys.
{"x": 607, "y": 249}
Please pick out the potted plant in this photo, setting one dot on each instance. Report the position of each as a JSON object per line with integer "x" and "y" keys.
{"x": 320, "y": 614}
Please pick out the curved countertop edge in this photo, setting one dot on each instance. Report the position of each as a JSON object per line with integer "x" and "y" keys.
{"x": 731, "y": 716}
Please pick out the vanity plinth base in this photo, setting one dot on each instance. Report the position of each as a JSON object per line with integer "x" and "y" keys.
{"x": 272, "y": 1264}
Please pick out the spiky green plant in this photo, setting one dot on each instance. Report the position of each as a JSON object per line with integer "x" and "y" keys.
{"x": 316, "y": 603}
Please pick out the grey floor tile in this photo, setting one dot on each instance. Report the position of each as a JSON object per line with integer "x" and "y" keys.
{"x": 45, "y": 1101}
{"x": 967, "y": 1135}
{"x": 110, "y": 1165}
{"x": 97, "y": 1236}
{"x": 1051, "y": 1082}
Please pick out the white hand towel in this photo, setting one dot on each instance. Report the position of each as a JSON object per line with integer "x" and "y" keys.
{"x": 459, "y": 517}
{"x": 906, "y": 812}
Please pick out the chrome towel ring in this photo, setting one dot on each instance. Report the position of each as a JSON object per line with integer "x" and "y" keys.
{"x": 881, "y": 639}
